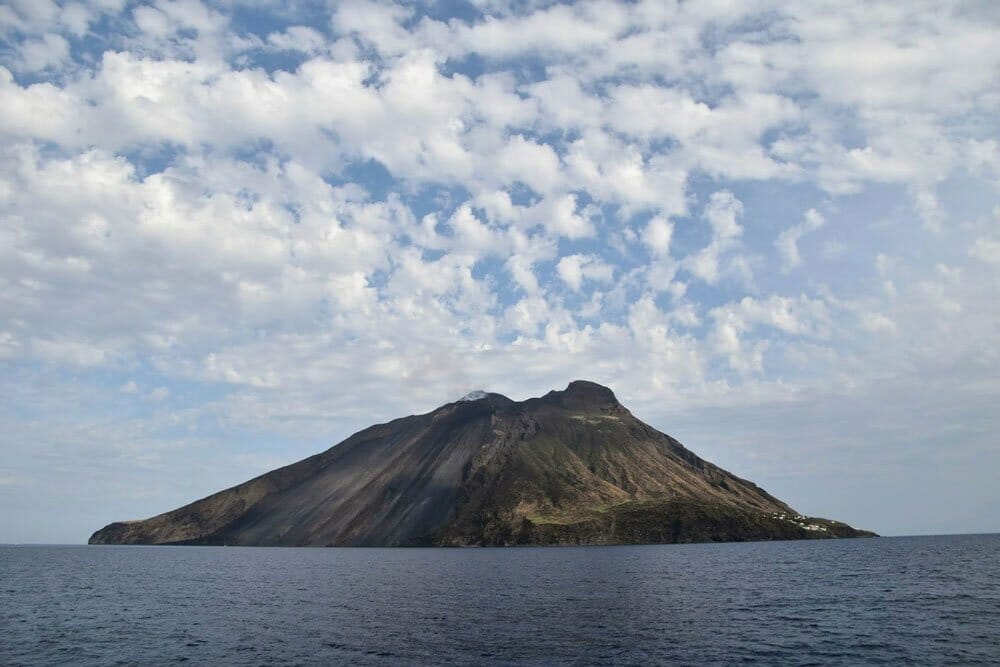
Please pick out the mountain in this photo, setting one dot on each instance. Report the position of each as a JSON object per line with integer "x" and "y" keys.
{"x": 571, "y": 467}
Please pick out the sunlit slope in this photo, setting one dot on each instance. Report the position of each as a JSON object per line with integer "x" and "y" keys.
{"x": 572, "y": 467}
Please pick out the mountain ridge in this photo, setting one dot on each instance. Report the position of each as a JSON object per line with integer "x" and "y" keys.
{"x": 570, "y": 467}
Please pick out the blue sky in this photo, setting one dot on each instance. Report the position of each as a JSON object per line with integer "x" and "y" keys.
{"x": 232, "y": 233}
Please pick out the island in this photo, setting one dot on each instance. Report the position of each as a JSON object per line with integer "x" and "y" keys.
{"x": 573, "y": 467}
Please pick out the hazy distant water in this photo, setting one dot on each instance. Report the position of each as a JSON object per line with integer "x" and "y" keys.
{"x": 916, "y": 600}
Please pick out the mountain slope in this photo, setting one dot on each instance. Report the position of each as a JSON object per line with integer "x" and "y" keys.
{"x": 571, "y": 467}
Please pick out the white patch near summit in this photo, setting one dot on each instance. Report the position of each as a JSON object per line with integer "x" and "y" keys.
{"x": 474, "y": 395}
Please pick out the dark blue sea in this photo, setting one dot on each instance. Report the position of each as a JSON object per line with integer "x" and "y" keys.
{"x": 916, "y": 600}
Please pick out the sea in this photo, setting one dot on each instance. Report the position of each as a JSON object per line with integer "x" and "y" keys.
{"x": 891, "y": 601}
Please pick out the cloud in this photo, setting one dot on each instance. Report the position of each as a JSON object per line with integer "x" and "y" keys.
{"x": 69, "y": 352}
{"x": 656, "y": 236}
{"x": 535, "y": 165}
{"x": 298, "y": 38}
{"x": 299, "y": 225}
{"x": 573, "y": 269}
{"x": 986, "y": 250}
{"x": 48, "y": 51}
{"x": 160, "y": 394}
{"x": 929, "y": 209}
{"x": 722, "y": 212}
{"x": 558, "y": 29}
{"x": 787, "y": 242}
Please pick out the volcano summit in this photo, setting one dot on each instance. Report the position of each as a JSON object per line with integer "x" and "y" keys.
{"x": 571, "y": 467}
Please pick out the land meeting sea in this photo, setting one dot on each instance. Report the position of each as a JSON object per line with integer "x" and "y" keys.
{"x": 907, "y": 600}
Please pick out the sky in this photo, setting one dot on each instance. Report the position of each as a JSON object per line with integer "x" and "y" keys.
{"x": 232, "y": 233}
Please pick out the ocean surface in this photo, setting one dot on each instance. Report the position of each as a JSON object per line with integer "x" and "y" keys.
{"x": 917, "y": 600}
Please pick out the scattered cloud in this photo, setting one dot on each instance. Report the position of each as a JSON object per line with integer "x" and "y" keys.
{"x": 315, "y": 220}
{"x": 787, "y": 242}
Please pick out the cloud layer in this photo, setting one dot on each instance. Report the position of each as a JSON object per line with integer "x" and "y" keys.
{"x": 233, "y": 233}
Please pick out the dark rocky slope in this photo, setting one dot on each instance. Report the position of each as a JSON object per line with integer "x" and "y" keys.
{"x": 571, "y": 467}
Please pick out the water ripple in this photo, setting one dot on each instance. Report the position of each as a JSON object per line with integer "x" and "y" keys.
{"x": 925, "y": 601}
